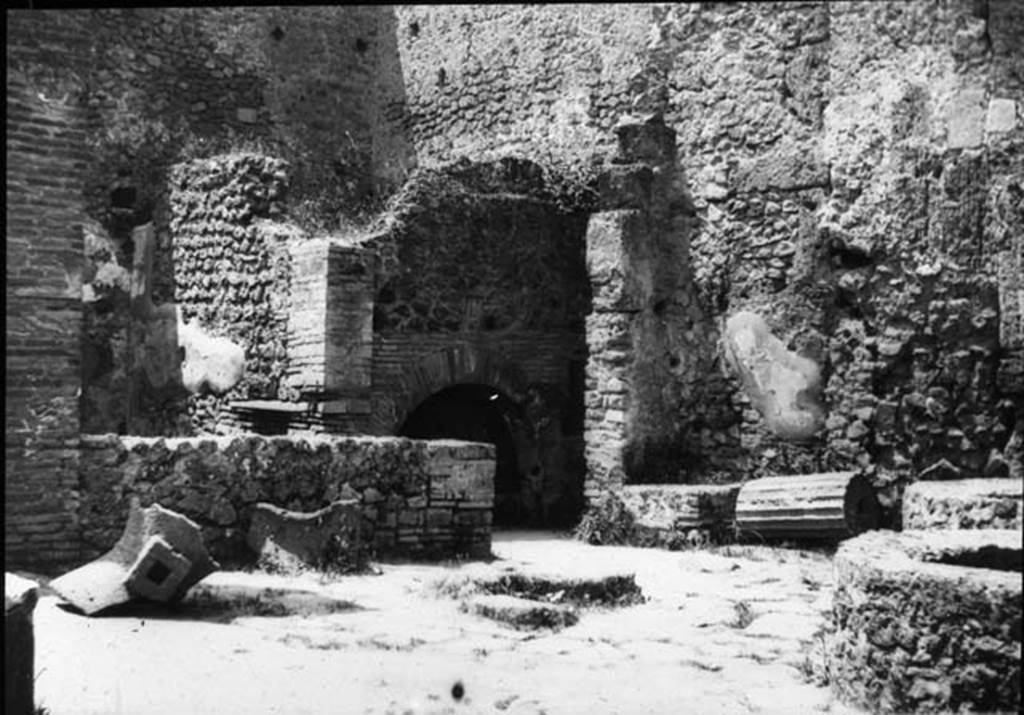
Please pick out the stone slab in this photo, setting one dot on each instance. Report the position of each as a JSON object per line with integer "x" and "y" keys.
{"x": 523, "y": 613}
{"x": 329, "y": 537}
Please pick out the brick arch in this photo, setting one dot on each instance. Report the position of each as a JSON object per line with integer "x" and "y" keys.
{"x": 462, "y": 364}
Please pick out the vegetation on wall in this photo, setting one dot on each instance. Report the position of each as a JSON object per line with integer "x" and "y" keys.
{"x": 481, "y": 246}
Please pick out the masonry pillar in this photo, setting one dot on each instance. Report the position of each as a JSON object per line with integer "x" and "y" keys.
{"x": 330, "y": 329}
{"x": 635, "y": 259}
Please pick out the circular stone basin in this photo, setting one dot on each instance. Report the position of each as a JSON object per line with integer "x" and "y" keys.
{"x": 928, "y": 621}
{"x": 964, "y": 504}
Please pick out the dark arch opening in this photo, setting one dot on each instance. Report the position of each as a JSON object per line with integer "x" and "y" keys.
{"x": 477, "y": 413}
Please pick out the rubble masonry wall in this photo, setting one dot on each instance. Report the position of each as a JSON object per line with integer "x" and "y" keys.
{"x": 418, "y": 498}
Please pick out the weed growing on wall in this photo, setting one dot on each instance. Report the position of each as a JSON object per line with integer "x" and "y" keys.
{"x": 571, "y": 180}
{"x": 489, "y": 230}
{"x": 607, "y": 522}
{"x": 332, "y": 193}
{"x": 570, "y": 160}
{"x": 132, "y": 153}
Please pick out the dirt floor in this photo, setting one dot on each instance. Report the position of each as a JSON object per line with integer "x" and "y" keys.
{"x": 722, "y": 631}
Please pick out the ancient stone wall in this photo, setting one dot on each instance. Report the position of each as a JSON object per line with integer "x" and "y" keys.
{"x": 741, "y": 85}
{"x": 541, "y": 82}
{"x": 158, "y": 86}
{"x": 921, "y": 159}
{"x": 853, "y": 171}
{"x": 168, "y": 84}
{"x": 417, "y": 498}
{"x": 232, "y": 269}
{"x": 230, "y": 276}
{"x": 481, "y": 247}
{"x": 481, "y": 280}
{"x": 851, "y": 168}
{"x": 47, "y": 160}
{"x": 746, "y": 103}
{"x": 304, "y": 308}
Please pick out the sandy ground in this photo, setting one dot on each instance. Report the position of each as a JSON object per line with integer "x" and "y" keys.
{"x": 402, "y": 647}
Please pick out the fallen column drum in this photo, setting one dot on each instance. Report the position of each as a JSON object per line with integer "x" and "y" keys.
{"x": 831, "y": 505}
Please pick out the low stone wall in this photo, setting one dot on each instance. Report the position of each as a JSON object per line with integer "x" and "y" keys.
{"x": 928, "y": 621}
{"x": 420, "y": 499}
{"x": 667, "y": 516}
{"x": 677, "y": 508}
{"x": 963, "y": 504}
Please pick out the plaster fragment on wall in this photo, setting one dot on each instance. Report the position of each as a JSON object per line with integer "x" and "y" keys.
{"x": 1002, "y": 116}
{"x": 966, "y": 119}
{"x": 214, "y": 362}
{"x": 781, "y": 385}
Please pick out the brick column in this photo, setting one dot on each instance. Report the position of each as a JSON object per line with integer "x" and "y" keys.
{"x": 330, "y": 326}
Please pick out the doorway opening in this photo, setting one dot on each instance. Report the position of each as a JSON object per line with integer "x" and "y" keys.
{"x": 478, "y": 413}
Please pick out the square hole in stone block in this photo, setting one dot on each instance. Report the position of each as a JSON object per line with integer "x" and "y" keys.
{"x": 158, "y": 573}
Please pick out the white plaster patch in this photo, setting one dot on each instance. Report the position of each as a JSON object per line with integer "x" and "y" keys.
{"x": 215, "y": 362}
{"x": 1001, "y": 117}
{"x": 966, "y": 119}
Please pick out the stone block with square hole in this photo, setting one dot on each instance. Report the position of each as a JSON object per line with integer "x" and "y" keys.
{"x": 158, "y": 572}
{"x": 159, "y": 557}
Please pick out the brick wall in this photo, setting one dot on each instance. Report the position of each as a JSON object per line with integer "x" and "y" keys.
{"x": 409, "y": 368}
{"x": 536, "y": 370}
{"x": 46, "y": 163}
{"x": 419, "y": 499}
{"x": 330, "y": 324}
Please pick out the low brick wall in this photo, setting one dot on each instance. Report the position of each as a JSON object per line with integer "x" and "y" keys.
{"x": 420, "y": 499}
